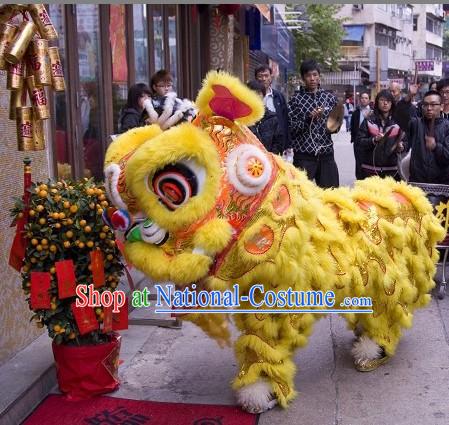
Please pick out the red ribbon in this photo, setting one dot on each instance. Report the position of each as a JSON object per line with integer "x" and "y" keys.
{"x": 65, "y": 273}
{"x": 40, "y": 290}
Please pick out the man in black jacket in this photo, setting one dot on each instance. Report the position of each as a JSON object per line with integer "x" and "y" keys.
{"x": 362, "y": 111}
{"x": 429, "y": 140}
{"x": 308, "y": 111}
{"x": 274, "y": 101}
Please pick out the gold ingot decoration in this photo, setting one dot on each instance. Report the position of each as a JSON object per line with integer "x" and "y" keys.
{"x": 7, "y": 32}
{"x": 38, "y": 99}
{"x": 40, "y": 62}
{"x": 24, "y": 121}
{"x": 15, "y": 101}
{"x": 57, "y": 73}
{"x": 14, "y": 79}
{"x": 38, "y": 135}
{"x": 43, "y": 22}
{"x": 20, "y": 42}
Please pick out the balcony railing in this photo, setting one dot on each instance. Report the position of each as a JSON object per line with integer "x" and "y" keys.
{"x": 353, "y": 52}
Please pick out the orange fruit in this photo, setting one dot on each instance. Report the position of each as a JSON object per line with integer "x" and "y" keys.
{"x": 56, "y": 328}
{"x": 55, "y": 215}
{"x": 44, "y": 242}
{"x": 58, "y": 225}
{"x": 58, "y": 198}
{"x": 69, "y": 221}
{"x": 69, "y": 234}
{"x": 53, "y": 248}
{"x": 102, "y": 235}
{"x": 33, "y": 260}
{"x": 66, "y": 244}
{"x": 90, "y": 191}
{"x": 83, "y": 223}
{"x": 61, "y": 215}
{"x": 32, "y": 213}
{"x": 39, "y": 248}
{"x": 53, "y": 306}
{"x": 54, "y": 191}
{"x": 92, "y": 205}
{"x": 105, "y": 228}
{"x": 40, "y": 208}
{"x": 34, "y": 241}
{"x": 73, "y": 209}
{"x": 72, "y": 335}
{"x": 102, "y": 198}
{"x": 89, "y": 244}
{"x": 52, "y": 270}
{"x": 43, "y": 193}
{"x": 42, "y": 221}
{"x": 109, "y": 257}
{"x": 100, "y": 211}
{"x": 88, "y": 229}
{"x": 66, "y": 204}
{"x": 81, "y": 244}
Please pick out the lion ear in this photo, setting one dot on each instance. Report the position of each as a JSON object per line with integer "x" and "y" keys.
{"x": 226, "y": 96}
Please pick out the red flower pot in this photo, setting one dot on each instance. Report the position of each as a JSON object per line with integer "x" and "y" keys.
{"x": 87, "y": 370}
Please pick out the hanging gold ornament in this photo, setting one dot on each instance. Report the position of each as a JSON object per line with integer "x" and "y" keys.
{"x": 24, "y": 121}
{"x": 24, "y": 51}
{"x": 15, "y": 101}
{"x": 7, "y": 33}
{"x": 20, "y": 42}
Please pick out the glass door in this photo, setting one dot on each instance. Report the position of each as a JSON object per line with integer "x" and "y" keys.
{"x": 89, "y": 71}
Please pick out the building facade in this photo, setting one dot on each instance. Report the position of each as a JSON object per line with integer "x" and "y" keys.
{"x": 388, "y": 42}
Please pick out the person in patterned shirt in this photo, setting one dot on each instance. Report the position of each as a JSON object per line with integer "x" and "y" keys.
{"x": 308, "y": 110}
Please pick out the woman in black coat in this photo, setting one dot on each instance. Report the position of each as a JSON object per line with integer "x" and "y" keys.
{"x": 131, "y": 114}
{"x": 380, "y": 139}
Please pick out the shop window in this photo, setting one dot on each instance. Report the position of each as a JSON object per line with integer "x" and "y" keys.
{"x": 172, "y": 39}
{"x": 140, "y": 43}
{"x": 415, "y": 23}
{"x": 158, "y": 38}
{"x": 89, "y": 68}
{"x": 61, "y": 147}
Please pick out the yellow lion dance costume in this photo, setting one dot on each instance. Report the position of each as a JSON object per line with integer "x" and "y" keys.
{"x": 209, "y": 205}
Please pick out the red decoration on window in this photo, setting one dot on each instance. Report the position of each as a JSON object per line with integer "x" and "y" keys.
{"x": 97, "y": 266}
{"x": 40, "y": 290}
{"x": 120, "y": 319}
{"x": 65, "y": 273}
{"x": 226, "y": 105}
{"x": 85, "y": 319}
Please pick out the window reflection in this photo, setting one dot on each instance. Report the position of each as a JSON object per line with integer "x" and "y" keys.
{"x": 61, "y": 149}
{"x": 87, "y": 17}
{"x": 158, "y": 30}
{"x": 140, "y": 43}
{"x": 117, "y": 34}
{"x": 172, "y": 44}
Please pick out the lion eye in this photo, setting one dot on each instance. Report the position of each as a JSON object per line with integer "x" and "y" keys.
{"x": 175, "y": 184}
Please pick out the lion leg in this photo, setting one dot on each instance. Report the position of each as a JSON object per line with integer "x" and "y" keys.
{"x": 265, "y": 353}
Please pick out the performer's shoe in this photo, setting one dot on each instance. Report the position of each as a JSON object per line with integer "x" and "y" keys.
{"x": 368, "y": 365}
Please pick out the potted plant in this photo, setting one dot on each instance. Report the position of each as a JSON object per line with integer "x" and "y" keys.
{"x": 66, "y": 243}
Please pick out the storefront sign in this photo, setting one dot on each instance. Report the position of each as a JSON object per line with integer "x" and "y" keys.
{"x": 425, "y": 65}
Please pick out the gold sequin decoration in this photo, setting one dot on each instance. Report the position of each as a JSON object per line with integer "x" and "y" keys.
{"x": 284, "y": 388}
{"x": 369, "y": 226}
{"x": 390, "y": 291}
{"x": 364, "y": 273}
{"x": 340, "y": 271}
{"x": 260, "y": 316}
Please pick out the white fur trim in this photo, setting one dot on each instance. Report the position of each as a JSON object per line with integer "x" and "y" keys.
{"x": 112, "y": 174}
{"x": 175, "y": 118}
{"x": 365, "y": 349}
{"x": 167, "y": 111}
{"x": 236, "y": 165}
{"x": 257, "y": 397}
{"x": 152, "y": 114}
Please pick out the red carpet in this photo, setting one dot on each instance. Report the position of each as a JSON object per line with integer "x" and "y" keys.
{"x": 56, "y": 410}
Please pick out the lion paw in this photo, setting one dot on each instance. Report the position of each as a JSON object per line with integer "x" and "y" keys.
{"x": 257, "y": 397}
